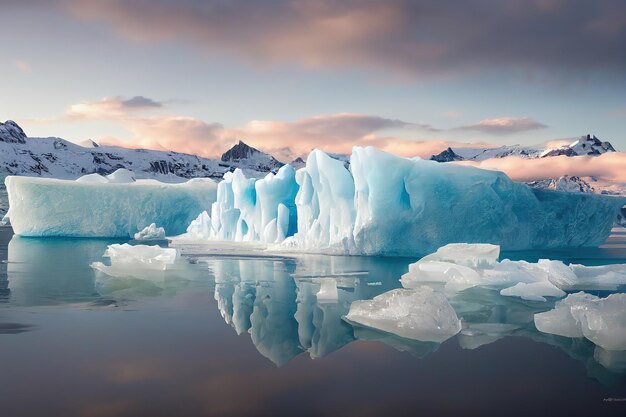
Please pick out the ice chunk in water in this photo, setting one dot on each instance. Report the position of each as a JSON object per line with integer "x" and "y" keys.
{"x": 604, "y": 276}
{"x": 534, "y": 291}
{"x": 151, "y": 232}
{"x": 419, "y": 313}
{"x": 129, "y": 260}
{"x": 477, "y": 255}
{"x": 462, "y": 266}
{"x": 601, "y": 320}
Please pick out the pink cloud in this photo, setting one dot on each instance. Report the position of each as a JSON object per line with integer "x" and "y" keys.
{"x": 609, "y": 166}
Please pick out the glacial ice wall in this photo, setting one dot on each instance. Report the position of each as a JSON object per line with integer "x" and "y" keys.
{"x": 250, "y": 209}
{"x": 104, "y": 207}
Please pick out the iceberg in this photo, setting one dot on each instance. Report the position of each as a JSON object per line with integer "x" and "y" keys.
{"x": 96, "y": 206}
{"x": 326, "y": 207}
{"x": 419, "y": 313}
{"x": 457, "y": 267}
{"x": 601, "y": 320}
{"x": 431, "y": 204}
{"x": 151, "y": 232}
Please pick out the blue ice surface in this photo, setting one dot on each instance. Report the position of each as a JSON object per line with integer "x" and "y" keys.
{"x": 51, "y": 207}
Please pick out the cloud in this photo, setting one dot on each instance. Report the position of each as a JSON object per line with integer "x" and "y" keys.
{"x": 172, "y": 133}
{"x": 111, "y": 107}
{"x": 23, "y": 67}
{"x": 505, "y": 125}
{"x": 423, "y": 38}
{"x": 141, "y": 102}
{"x": 285, "y": 139}
{"x": 608, "y": 166}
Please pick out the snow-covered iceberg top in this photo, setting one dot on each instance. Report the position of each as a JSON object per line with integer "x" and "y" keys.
{"x": 97, "y": 206}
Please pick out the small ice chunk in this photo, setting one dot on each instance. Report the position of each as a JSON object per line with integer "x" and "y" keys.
{"x": 604, "y": 322}
{"x": 477, "y": 255}
{"x": 129, "y": 259}
{"x": 419, "y": 313}
{"x": 151, "y": 232}
{"x": 604, "y": 276}
{"x": 93, "y": 179}
{"x": 534, "y": 291}
{"x": 564, "y": 320}
{"x": 455, "y": 277}
{"x": 601, "y": 320}
{"x": 121, "y": 176}
{"x": 328, "y": 290}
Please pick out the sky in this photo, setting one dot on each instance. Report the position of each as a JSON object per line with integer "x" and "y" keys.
{"x": 410, "y": 77}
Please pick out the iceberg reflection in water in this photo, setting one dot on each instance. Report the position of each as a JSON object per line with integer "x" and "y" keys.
{"x": 274, "y": 299}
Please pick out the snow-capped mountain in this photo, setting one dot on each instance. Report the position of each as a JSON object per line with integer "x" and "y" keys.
{"x": 59, "y": 158}
{"x": 585, "y": 145}
{"x": 567, "y": 183}
{"x": 246, "y": 157}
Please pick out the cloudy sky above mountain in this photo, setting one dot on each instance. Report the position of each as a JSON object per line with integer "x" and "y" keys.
{"x": 408, "y": 76}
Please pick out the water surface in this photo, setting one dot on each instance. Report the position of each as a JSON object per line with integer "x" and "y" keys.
{"x": 244, "y": 335}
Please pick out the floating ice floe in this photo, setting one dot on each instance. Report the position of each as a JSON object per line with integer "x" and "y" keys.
{"x": 97, "y": 206}
{"x": 135, "y": 259}
{"x": 151, "y": 232}
{"x": 533, "y": 291}
{"x": 419, "y": 313}
{"x": 601, "y": 320}
{"x": 458, "y": 267}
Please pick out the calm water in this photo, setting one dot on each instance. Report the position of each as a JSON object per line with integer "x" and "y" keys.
{"x": 245, "y": 335}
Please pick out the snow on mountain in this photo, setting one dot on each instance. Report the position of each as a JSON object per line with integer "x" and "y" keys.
{"x": 298, "y": 163}
{"x": 88, "y": 143}
{"x": 585, "y": 145}
{"x": 10, "y": 132}
{"x": 246, "y": 157}
{"x": 59, "y": 158}
{"x": 567, "y": 183}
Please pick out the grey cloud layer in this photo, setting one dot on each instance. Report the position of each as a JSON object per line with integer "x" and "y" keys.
{"x": 414, "y": 37}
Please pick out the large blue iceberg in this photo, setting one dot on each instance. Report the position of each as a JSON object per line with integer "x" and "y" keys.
{"x": 388, "y": 205}
{"x": 95, "y": 206}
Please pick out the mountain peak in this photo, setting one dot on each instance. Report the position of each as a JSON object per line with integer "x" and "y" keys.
{"x": 447, "y": 155}
{"x": 585, "y": 145}
{"x": 251, "y": 157}
{"x": 11, "y": 132}
{"x": 240, "y": 151}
